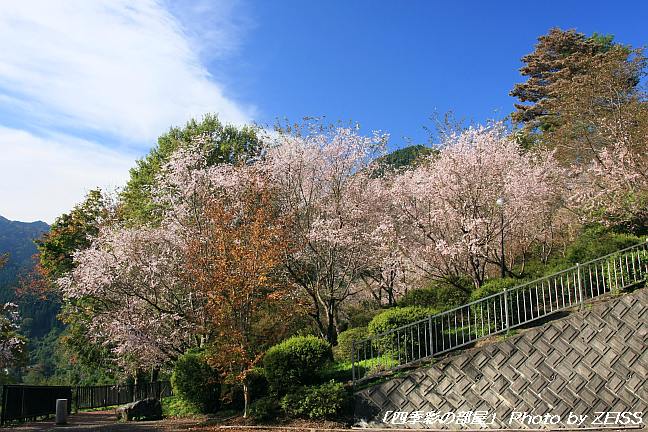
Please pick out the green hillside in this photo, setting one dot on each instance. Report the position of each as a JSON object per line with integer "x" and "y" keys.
{"x": 17, "y": 240}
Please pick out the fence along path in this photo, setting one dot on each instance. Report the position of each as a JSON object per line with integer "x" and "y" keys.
{"x": 109, "y": 395}
{"x": 497, "y": 313}
{"x": 23, "y": 402}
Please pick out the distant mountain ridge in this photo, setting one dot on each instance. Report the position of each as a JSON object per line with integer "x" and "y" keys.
{"x": 17, "y": 239}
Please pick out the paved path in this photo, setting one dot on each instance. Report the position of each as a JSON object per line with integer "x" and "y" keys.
{"x": 106, "y": 421}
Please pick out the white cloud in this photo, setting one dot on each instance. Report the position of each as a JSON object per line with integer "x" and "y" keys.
{"x": 122, "y": 68}
{"x": 82, "y": 81}
{"x": 42, "y": 177}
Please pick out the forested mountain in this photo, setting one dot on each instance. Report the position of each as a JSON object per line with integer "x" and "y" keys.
{"x": 17, "y": 240}
{"x": 402, "y": 158}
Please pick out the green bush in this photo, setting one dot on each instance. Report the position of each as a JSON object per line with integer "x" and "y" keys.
{"x": 484, "y": 315}
{"x": 398, "y": 344}
{"x": 438, "y": 295}
{"x": 264, "y": 409}
{"x": 359, "y": 315}
{"x": 257, "y": 383}
{"x": 595, "y": 242}
{"x": 344, "y": 347}
{"x": 494, "y": 286}
{"x": 296, "y": 361}
{"x": 339, "y": 371}
{"x": 196, "y": 382}
{"x": 326, "y": 401}
{"x": 176, "y": 407}
{"x": 397, "y": 317}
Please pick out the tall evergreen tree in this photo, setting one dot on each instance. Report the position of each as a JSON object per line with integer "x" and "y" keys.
{"x": 554, "y": 58}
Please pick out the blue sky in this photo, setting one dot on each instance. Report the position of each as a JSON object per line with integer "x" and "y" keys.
{"x": 86, "y": 87}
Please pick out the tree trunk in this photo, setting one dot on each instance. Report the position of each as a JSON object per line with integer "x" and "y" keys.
{"x": 155, "y": 374}
{"x": 246, "y": 398}
{"x": 331, "y": 330}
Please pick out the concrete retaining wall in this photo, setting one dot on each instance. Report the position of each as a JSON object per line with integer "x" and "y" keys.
{"x": 591, "y": 362}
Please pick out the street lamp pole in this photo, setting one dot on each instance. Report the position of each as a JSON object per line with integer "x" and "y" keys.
{"x": 500, "y": 203}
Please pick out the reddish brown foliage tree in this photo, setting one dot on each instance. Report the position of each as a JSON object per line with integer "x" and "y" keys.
{"x": 237, "y": 265}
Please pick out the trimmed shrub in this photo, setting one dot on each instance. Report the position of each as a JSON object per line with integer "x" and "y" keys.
{"x": 326, "y": 401}
{"x": 344, "y": 347}
{"x": 397, "y": 317}
{"x": 196, "y": 382}
{"x": 398, "y": 344}
{"x": 296, "y": 361}
{"x": 264, "y": 409}
{"x": 176, "y": 407}
{"x": 359, "y": 315}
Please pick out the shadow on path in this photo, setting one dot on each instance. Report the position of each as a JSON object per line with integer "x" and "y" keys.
{"x": 107, "y": 421}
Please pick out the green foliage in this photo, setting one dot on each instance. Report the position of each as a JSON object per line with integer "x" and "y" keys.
{"x": 71, "y": 232}
{"x": 224, "y": 144}
{"x": 494, "y": 286}
{"x": 176, "y": 407}
{"x": 437, "y": 295}
{"x": 397, "y": 317}
{"x": 264, "y": 409}
{"x": 359, "y": 315}
{"x": 339, "y": 371}
{"x": 392, "y": 319}
{"x": 296, "y": 361}
{"x": 595, "y": 242}
{"x": 406, "y": 157}
{"x": 52, "y": 362}
{"x": 326, "y": 401}
{"x": 16, "y": 251}
{"x": 196, "y": 382}
{"x": 257, "y": 383}
{"x": 345, "y": 341}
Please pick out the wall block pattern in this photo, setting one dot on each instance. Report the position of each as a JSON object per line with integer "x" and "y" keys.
{"x": 592, "y": 361}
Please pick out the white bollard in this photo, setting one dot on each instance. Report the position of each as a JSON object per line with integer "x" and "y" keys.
{"x": 61, "y": 411}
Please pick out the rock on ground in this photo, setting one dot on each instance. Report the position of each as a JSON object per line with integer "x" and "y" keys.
{"x": 145, "y": 409}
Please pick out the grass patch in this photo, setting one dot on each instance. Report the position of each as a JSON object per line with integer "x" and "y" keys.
{"x": 105, "y": 408}
{"x": 176, "y": 407}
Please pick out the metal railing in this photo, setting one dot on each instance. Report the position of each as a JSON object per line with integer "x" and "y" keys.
{"x": 437, "y": 334}
{"x": 24, "y": 402}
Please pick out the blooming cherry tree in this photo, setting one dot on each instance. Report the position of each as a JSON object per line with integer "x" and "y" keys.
{"x": 12, "y": 344}
{"x": 447, "y": 207}
{"x": 612, "y": 188}
{"x": 133, "y": 281}
{"x": 323, "y": 180}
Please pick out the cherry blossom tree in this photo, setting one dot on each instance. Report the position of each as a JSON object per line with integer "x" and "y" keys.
{"x": 132, "y": 280}
{"x": 613, "y": 188}
{"x": 450, "y": 223}
{"x": 12, "y": 344}
{"x": 389, "y": 274}
{"x": 323, "y": 180}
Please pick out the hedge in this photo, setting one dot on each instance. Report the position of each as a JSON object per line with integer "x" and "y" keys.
{"x": 296, "y": 361}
